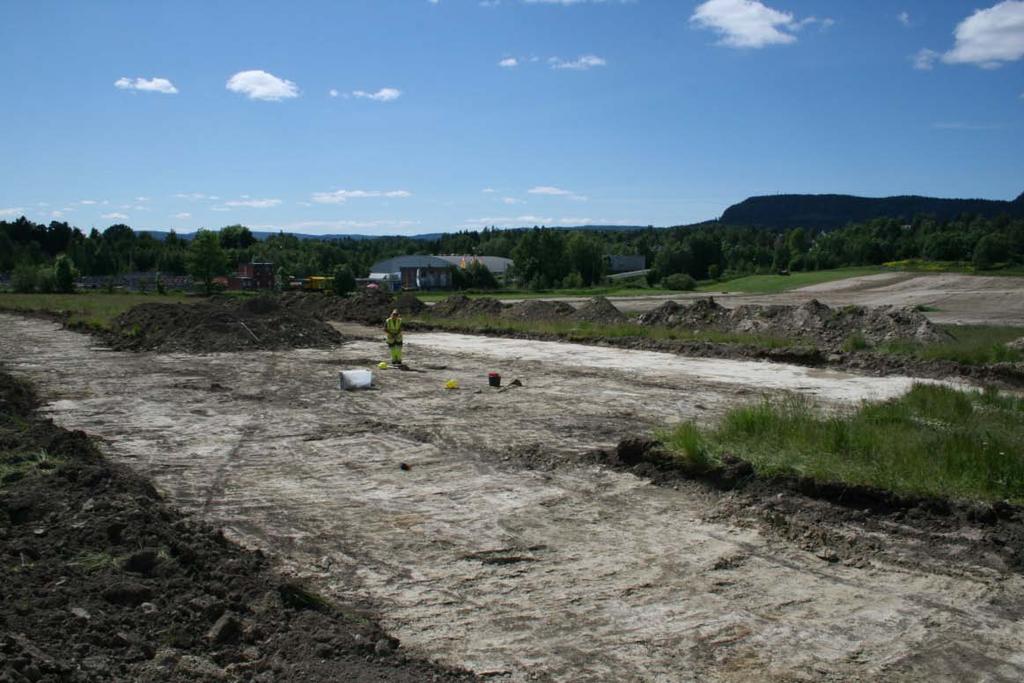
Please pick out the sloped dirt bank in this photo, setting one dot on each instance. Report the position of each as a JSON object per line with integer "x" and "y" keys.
{"x": 814, "y": 514}
{"x": 103, "y": 581}
{"x": 814, "y": 321}
{"x": 221, "y": 324}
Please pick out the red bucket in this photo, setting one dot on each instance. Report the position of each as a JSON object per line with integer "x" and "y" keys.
{"x": 494, "y": 379}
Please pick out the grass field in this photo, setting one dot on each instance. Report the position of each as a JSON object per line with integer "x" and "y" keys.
{"x": 934, "y": 441}
{"x": 773, "y": 284}
{"x": 971, "y": 344}
{"x": 547, "y": 293}
{"x": 93, "y": 309}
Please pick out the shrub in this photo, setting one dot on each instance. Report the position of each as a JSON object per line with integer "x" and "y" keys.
{"x": 679, "y": 282}
{"x": 23, "y": 279}
{"x": 344, "y": 280}
{"x": 64, "y": 275}
{"x": 46, "y": 281}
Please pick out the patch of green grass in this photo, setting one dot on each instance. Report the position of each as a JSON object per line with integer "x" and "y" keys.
{"x": 933, "y": 441}
{"x": 95, "y": 562}
{"x": 855, "y": 342}
{"x": 586, "y": 331}
{"x": 970, "y": 344}
{"x": 617, "y": 290}
{"x": 772, "y": 284}
{"x": 16, "y": 465}
{"x": 90, "y": 309}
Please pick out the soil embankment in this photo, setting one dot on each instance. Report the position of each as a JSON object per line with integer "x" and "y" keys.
{"x": 221, "y": 324}
{"x": 104, "y": 581}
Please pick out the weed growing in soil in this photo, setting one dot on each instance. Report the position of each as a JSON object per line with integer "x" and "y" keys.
{"x": 934, "y": 441}
{"x": 971, "y": 345}
{"x": 587, "y": 331}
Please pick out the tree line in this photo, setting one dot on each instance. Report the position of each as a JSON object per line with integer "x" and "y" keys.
{"x": 48, "y": 257}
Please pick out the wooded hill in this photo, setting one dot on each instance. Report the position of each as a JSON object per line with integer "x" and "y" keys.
{"x": 830, "y": 211}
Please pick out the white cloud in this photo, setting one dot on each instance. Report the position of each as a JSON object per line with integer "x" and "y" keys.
{"x": 88, "y": 202}
{"x": 183, "y": 215}
{"x": 142, "y": 199}
{"x": 254, "y": 203}
{"x": 990, "y": 37}
{"x": 903, "y": 18}
{"x": 260, "y": 85}
{"x": 549, "y": 191}
{"x": 15, "y": 211}
{"x": 382, "y": 95}
{"x": 490, "y": 3}
{"x": 342, "y": 196}
{"x": 487, "y": 190}
{"x": 511, "y": 200}
{"x": 579, "y": 64}
{"x": 112, "y": 216}
{"x": 161, "y": 85}
{"x": 341, "y": 225}
{"x": 575, "y": 221}
{"x": 509, "y": 63}
{"x": 333, "y": 92}
{"x": 195, "y": 196}
{"x": 749, "y": 23}
{"x": 924, "y": 60}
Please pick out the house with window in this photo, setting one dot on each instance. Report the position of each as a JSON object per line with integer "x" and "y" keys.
{"x": 412, "y": 272}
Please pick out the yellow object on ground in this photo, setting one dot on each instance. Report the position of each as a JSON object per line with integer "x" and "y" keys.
{"x": 451, "y": 384}
{"x": 382, "y": 365}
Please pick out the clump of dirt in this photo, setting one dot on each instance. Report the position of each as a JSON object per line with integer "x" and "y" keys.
{"x": 219, "y": 325}
{"x": 105, "y": 582}
{"x": 813, "y": 321}
{"x": 539, "y": 309}
{"x": 461, "y": 306}
{"x": 1016, "y": 344}
{"x": 599, "y": 310}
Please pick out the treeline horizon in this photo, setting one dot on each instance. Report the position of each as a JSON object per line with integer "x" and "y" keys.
{"x": 544, "y": 258}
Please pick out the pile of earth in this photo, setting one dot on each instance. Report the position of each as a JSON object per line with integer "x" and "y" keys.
{"x": 105, "y": 582}
{"x": 813, "y": 321}
{"x": 368, "y": 306}
{"x": 461, "y": 306}
{"x": 224, "y": 324}
{"x": 599, "y": 310}
{"x": 538, "y": 309}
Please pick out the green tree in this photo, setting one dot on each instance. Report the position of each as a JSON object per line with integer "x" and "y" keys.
{"x": 585, "y": 256}
{"x": 206, "y": 259}
{"x": 344, "y": 280}
{"x": 236, "y": 237}
{"x": 64, "y": 274}
{"x": 23, "y": 279}
{"x": 990, "y": 250}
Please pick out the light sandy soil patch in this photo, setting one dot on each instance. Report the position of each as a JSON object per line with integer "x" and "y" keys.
{"x": 575, "y": 573}
{"x": 960, "y": 299}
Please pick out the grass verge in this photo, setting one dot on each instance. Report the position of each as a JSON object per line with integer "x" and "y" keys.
{"x": 933, "y": 441}
{"x": 772, "y": 284}
{"x": 970, "y": 345}
{"x": 545, "y": 293}
{"x": 90, "y": 309}
{"x": 588, "y": 332}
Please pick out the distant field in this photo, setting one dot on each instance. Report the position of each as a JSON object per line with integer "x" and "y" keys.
{"x": 547, "y": 293}
{"x": 93, "y": 308}
{"x": 773, "y": 284}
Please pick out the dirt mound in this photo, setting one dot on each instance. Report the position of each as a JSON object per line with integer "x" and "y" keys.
{"x": 812, "y": 321}
{"x": 105, "y": 582}
{"x": 538, "y": 309}
{"x": 409, "y": 304}
{"x": 1016, "y": 344}
{"x": 599, "y": 310}
{"x": 461, "y": 306}
{"x": 220, "y": 325}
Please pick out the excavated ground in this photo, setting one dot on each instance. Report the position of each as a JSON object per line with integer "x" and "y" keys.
{"x": 476, "y": 521}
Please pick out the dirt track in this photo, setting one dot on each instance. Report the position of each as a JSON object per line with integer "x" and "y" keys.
{"x": 960, "y": 299}
{"x": 492, "y": 551}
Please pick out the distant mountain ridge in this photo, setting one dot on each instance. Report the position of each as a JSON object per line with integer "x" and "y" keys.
{"x": 828, "y": 211}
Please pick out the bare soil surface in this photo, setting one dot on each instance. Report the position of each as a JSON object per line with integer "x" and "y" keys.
{"x": 959, "y": 299}
{"x": 103, "y": 581}
{"x": 479, "y": 524}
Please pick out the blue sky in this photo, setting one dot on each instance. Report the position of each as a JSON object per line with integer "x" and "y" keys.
{"x": 413, "y": 116}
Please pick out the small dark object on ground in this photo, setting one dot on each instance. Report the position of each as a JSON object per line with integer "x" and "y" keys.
{"x": 405, "y": 467}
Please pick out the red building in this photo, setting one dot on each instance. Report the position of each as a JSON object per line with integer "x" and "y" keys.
{"x": 256, "y": 275}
